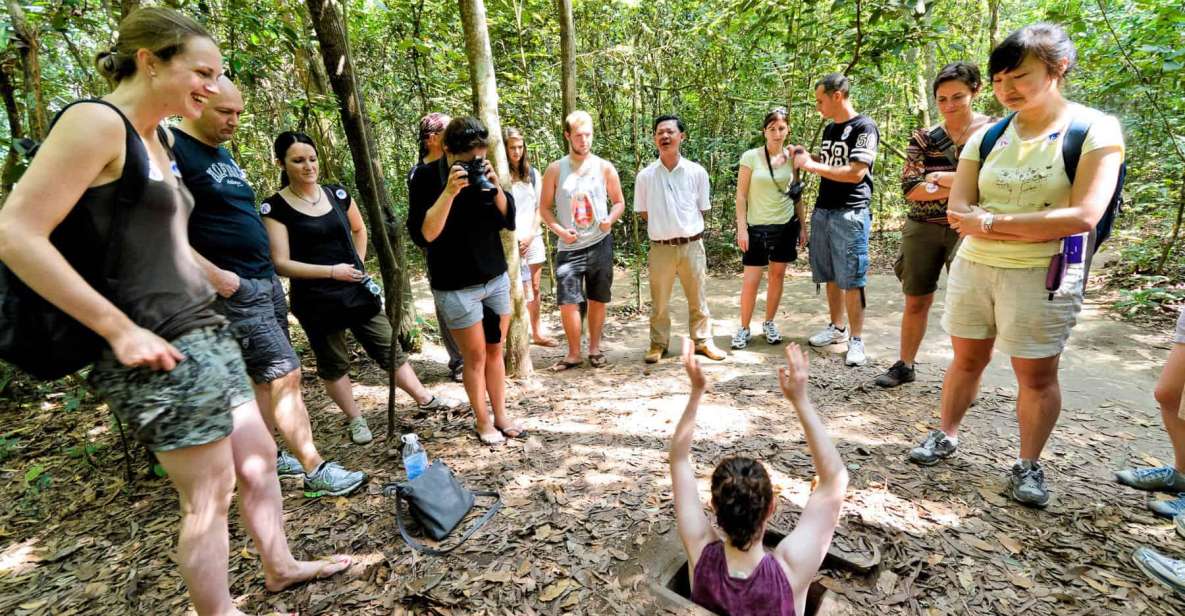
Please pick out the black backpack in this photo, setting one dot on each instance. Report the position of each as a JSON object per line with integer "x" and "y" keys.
{"x": 38, "y": 337}
{"x": 1071, "y": 152}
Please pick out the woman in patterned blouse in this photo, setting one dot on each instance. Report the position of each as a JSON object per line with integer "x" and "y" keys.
{"x": 927, "y": 242}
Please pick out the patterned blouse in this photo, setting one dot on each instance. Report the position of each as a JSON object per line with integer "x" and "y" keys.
{"x": 923, "y": 156}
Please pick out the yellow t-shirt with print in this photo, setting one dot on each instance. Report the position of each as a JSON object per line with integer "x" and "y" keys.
{"x": 1028, "y": 175}
{"x": 767, "y": 204}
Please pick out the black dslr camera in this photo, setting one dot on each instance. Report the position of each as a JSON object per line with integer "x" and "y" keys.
{"x": 476, "y": 169}
{"x": 794, "y": 190}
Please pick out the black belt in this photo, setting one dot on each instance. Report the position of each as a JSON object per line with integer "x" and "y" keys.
{"x": 678, "y": 241}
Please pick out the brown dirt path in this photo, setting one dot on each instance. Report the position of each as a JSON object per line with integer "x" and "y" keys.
{"x": 587, "y": 501}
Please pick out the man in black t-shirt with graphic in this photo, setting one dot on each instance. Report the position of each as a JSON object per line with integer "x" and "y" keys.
{"x": 841, "y": 219}
{"x": 231, "y": 245}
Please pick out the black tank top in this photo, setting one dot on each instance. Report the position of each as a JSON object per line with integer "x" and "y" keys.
{"x": 158, "y": 284}
{"x": 319, "y": 240}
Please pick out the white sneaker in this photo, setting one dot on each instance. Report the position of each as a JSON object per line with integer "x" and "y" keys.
{"x": 856, "y": 355}
{"x": 772, "y": 336}
{"x": 829, "y": 336}
{"x": 359, "y": 431}
{"x": 741, "y": 339}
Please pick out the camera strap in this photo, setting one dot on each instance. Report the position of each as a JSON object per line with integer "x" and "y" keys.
{"x": 793, "y": 175}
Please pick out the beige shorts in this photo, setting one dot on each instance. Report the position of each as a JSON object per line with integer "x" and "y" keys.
{"x": 1012, "y": 306}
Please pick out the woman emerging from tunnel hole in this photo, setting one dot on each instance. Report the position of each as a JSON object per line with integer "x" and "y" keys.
{"x": 730, "y": 571}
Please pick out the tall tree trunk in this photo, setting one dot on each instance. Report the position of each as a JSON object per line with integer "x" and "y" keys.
{"x": 485, "y": 104}
{"x": 368, "y": 173}
{"x": 28, "y": 47}
{"x": 15, "y": 129}
{"x": 567, "y": 54}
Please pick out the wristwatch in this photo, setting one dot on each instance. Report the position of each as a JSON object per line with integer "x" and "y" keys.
{"x": 986, "y": 222}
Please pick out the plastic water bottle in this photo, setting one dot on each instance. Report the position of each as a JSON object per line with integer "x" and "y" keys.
{"x": 415, "y": 459}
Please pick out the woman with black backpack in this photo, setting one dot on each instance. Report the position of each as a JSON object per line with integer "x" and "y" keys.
{"x": 1024, "y": 211}
{"x": 318, "y": 240}
{"x": 170, "y": 371}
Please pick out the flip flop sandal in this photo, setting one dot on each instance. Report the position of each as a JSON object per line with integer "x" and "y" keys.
{"x": 563, "y": 365}
{"x": 491, "y": 439}
{"x": 598, "y": 360}
{"x": 514, "y": 432}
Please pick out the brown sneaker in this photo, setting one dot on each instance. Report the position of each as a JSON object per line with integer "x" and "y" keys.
{"x": 709, "y": 350}
{"x": 655, "y": 353}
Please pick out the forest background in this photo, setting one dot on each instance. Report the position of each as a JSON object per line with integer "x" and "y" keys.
{"x": 720, "y": 65}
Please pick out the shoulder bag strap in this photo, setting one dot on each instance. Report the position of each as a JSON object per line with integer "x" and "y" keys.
{"x": 345, "y": 225}
{"x": 993, "y": 134}
{"x": 419, "y": 547}
{"x": 1072, "y": 145}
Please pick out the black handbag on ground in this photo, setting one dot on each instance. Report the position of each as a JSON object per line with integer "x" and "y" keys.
{"x": 36, "y": 336}
{"x": 438, "y": 502}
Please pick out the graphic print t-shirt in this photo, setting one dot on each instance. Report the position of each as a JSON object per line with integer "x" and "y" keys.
{"x": 853, "y": 141}
{"x": 224, "y": 227}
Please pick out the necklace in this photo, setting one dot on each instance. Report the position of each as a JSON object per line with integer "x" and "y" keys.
{"x": 293, "y": 192}
{"x": 963, "y": 134}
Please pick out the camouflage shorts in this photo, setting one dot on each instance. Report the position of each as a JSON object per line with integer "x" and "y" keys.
{"x": 185, "y": 407}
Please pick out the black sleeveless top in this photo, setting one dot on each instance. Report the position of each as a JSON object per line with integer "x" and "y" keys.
{"x": 318, "y": 240}
{"x": 158, "y": 284}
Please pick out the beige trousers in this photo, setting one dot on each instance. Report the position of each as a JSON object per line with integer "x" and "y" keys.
{"x": 689, "y": 264}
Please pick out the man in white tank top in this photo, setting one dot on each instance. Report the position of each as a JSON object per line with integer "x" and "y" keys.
{"x": 581, "y": 199}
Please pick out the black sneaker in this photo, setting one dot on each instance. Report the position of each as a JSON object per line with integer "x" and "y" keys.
{"x": 897, "y": 374}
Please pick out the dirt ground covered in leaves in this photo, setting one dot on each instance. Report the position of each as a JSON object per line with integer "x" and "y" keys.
{"x": 588, "y": 509}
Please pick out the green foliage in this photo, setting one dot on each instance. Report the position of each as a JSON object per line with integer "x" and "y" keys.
{"x": 8, "y": 447}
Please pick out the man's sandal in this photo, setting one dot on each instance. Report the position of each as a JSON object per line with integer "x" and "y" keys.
{"x": 564, "y": 364}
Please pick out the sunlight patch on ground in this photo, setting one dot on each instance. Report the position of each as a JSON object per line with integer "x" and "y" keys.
{"x": 916, "y": 516}
{"x": 18, "y": 558}
{"x": 663, "y": 414}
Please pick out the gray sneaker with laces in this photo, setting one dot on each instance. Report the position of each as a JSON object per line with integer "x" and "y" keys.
{"x": 1158, "y": 479}
{"x": 772, "y": 335}
{"x": 828, "y": 336}
{"x": 333, "y": 480}
{"x": 1167, "y": 571}
{"x": 360, "y": 431}
{"x": 741, "y": 339}
{"x": 287, "y": 465}
{"x": 937, "y": 446}
{"x": 1168, "y": 508}
{"x": 1026, "y": 484}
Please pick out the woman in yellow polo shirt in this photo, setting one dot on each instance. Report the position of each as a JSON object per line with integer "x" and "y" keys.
{"x": 1016, "y": 210}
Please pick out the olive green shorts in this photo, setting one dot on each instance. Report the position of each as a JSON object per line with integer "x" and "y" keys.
{"x": 187, "y": 406}
{"x": 926, "y": 248}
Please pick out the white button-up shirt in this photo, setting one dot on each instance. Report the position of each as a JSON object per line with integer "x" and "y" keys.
{"x": 673, "y": 199}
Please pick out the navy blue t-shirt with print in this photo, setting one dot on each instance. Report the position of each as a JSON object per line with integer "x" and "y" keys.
{"x": 853, "y": 141}
{"x": 225, "y": 227}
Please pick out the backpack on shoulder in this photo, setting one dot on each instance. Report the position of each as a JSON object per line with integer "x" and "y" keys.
{"x": 38, "y": 337}
{"x": 1071, "y": 153}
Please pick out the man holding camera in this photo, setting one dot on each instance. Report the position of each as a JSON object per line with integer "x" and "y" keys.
{"x": 671, "y": 195}
{"x": 456, "y": 210}
{"x": 574, "y": 204}
{"x": 841, "y": 221}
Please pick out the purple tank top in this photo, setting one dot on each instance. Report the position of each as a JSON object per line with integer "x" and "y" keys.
{"x": 765, "y": 591}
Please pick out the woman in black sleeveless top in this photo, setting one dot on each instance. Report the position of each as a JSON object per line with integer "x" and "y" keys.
{"x": 172, "y": 374}
{"x": 318, "y": 240}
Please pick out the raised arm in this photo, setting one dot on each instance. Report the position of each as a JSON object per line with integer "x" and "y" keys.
{"x": 804, "y": 548}
{"x": 694, "y": 530}
{"x": 86, "y": 147}
{"x": 851, "y": 173}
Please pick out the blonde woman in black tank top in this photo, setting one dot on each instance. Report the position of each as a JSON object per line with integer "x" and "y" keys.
{"x": 172, "y": 374}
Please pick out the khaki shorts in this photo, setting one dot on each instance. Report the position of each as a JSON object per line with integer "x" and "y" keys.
{"x": 1012, "y": 306}
{"x": 926, "y": 248}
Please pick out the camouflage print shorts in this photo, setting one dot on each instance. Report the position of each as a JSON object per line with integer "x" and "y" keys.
{"x": 185, "y": 407}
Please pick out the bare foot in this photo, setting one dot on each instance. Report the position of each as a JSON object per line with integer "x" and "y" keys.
{"x": 490, "y": 435}
{"x": 307, "y": 571}
{"x": 544, "y": 341}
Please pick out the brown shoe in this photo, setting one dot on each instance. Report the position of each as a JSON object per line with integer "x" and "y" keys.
{"x": 655, "y": 353}
{"x": 709, "y": 350}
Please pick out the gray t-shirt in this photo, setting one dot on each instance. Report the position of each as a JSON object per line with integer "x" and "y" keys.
{"x": 581, "y": 201}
